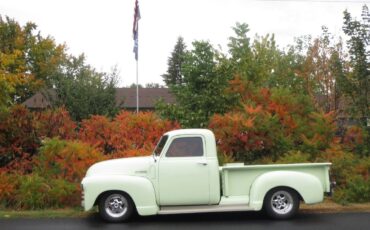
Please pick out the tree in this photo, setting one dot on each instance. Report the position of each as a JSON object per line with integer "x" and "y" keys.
{"x": 5, "y": 90}
{"x": 28, "y": 61}
{"x": 356, "y": 83}
{"x": 153, "y": 85}
{"x": 85, "y": 92}
{"x": 174, "y": 75}
{"x": 133, "y": 85}
{"x": 241, "y": 52}
{"x": 322, "y": 67}
{"x": 201, "y": 93}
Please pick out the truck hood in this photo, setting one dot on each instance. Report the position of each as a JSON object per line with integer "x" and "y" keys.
{"x": 123, "y": 166}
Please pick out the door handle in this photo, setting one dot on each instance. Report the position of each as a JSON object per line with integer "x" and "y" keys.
{"x": 202, "y": 163}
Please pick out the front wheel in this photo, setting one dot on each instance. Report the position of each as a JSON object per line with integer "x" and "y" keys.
{"x": 281, "y": 203}
{"x": 115, "y": 207}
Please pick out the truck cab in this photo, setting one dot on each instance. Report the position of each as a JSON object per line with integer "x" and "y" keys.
{"x": 187, "y": 168}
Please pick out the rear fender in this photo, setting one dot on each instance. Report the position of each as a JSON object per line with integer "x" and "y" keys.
{"x": 306, "y": 185}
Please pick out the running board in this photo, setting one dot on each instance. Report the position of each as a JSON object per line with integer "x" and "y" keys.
{"x": 203, "y": 208}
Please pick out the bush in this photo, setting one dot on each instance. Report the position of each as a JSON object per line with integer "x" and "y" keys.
{"x": 55, "y": 123}
{"x": 357, "y": 190}
{"x": 351, "y": 174}
{"x": 68, "y": 160}
{"x": 294, "y": 157}
{"x": 127, "y": 131}
{"x": 7, "y": 188}
{"x": 98, "y": 131}
{"x": 272, "y": 122}
{"x": 357, "y": 140}
{"x": 36, "y": 192}
{"x": 21, "y": 132}
{"x": 18, "y": 137}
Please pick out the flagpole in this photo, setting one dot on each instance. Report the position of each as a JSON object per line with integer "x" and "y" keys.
{"x": 135, "y": 31}
{"x": 137, "y": 86}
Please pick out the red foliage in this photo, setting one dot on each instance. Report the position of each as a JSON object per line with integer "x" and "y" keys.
{"x": 55, "y": 123}
{"x": 18, "y": 137}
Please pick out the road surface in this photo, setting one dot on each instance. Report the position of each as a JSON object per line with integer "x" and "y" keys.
{"x": 213, "y": 221}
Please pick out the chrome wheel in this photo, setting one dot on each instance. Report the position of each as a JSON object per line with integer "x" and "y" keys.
{"x": 281, "y": 202}
{"x": 116, "y": 205}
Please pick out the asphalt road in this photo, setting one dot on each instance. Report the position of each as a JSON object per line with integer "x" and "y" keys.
{"x": 214, "y": 221}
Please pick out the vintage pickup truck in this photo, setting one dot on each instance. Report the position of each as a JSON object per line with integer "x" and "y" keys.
{"x": 183, "y": 176}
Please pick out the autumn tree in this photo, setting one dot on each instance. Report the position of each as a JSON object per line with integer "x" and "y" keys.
{"x": 321, "y": 69}
{"x": 28, "y": 61}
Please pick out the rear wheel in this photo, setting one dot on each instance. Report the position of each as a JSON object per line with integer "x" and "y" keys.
{"x": 281, "y": 203}
{"x": 115, "y": 207}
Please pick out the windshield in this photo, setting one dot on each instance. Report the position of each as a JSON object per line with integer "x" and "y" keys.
{"x": 160, "y": 145}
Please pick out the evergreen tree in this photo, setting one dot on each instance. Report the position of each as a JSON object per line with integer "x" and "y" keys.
{"x": 201, "y": 93}
{"x": 174, "y": 75}
{"x": 356, "y": 84}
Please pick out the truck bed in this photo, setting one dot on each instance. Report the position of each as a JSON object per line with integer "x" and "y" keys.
{"x": 237, "y": 178}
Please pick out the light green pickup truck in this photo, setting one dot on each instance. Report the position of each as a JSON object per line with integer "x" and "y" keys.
{"x": 183, "y": 176}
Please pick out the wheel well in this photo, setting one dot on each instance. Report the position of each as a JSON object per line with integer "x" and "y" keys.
{"x": 284, "y": 187}
{"x": 115, "y": 191}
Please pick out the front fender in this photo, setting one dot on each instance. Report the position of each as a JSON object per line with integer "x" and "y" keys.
{"x": 308, "y": 186}
{"x": 139, "y": 188}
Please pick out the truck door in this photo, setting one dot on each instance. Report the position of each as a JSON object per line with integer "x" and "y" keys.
{"x": 183, "y": 172}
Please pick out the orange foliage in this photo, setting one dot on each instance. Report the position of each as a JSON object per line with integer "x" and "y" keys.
{"x": 98, "y": 131}
{"x": 7, "y": 186}
{"x": 68, "y": 160}
{"x": 354, "y": 136}
{"x": 125, "y": 132}
{"x": 271, "y": 121}
{"x": 251, "y": 110}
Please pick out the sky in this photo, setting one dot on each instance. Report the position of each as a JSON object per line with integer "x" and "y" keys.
{"x": 102, "y": 29}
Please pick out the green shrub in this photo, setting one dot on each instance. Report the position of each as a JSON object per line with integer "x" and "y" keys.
{"x": 294, "y": 157}
{"x": 358, "y": 189}
{"x": 36, "y": 192}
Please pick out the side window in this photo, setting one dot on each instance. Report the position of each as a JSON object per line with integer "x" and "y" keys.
{"x": 186, "y": 147}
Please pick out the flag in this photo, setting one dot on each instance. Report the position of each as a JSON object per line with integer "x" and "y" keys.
{"x": 135, "y": 29}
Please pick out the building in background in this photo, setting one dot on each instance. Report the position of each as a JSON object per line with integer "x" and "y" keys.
{"x": 125, "y": 98}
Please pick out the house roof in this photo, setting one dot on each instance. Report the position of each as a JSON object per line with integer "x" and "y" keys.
{"x": 147, "y": 98}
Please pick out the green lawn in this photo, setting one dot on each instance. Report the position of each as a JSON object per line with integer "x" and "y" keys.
{"x": 47, "y": 213}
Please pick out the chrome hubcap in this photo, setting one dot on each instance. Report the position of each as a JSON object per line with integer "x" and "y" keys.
{"x": 116, "y": 205}
{"x": 281, "y": 202}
